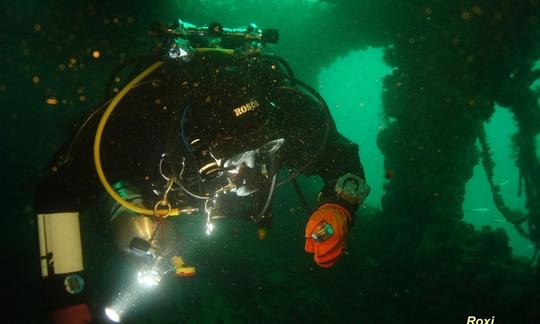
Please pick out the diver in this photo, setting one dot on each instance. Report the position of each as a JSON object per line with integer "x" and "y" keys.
{"x": 211, "y": 126}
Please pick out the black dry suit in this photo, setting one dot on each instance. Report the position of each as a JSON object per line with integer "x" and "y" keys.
{"x": 216, "y": 124}
{"x": 183, "y": 116}
{"x": 196, "y": 121}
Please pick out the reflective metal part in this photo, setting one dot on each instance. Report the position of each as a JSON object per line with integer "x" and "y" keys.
{"x": 352, "y": 188}
{"x": 126, "y": 225}
{"x": 209, "y": 206}
{"x": 322, "y": 232}
{"x": 74, "y": 283}
{"x": 180, "y": 49}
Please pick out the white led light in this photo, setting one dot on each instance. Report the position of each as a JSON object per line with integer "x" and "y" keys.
{"x": 148, "y": 278}
{"x": 112, "y": 315}
{"x": 209, "y": 228}
{"x": 125, "y": 301}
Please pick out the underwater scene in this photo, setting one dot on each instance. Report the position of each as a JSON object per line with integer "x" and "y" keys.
{"x": 294, "y": 161}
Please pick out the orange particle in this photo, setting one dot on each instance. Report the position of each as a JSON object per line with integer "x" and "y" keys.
{"x": 52, "y": 101}
{"x": 477, "y": 10}
{"x": 96, "y": 54}
{"x": 82, "y": 98}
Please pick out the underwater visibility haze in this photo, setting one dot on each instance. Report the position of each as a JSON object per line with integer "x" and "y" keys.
{"x": 441, "y": 96}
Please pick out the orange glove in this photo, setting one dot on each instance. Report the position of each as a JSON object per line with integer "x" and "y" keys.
{"x": 326, "y": 231}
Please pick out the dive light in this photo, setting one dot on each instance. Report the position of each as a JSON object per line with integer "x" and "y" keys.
{"x": 250, "y": 32}
{"x": 181, "y": 28}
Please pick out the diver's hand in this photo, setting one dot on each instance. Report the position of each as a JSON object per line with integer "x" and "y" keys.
{"x": 326, "y": 231}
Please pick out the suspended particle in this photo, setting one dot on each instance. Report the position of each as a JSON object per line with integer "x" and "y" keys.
{"x": 35, "y": 79}
{"x": 82, "y": 98}
{"x": 72, "y": 61}
{"x": 466, "y": 15}
{"x": 52, "y": 101}
{"x": 37, "y": 27}
{"x": 477, "y": 10}
{"x": 428, "y": 11}
{"x": 61, "y": 67}
{"x": 96, "y": 54}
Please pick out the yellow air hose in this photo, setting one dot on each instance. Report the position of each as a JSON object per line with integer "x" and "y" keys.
{"x": 212, "y": 49}
{"x": 97, "y": 144}
{"x": 101, "y": 127}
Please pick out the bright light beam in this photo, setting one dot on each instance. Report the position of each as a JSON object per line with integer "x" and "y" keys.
{"x": 128, "y": 297}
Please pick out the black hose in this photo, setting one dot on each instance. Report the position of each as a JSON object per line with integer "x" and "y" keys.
{"x": 285, "y": 65}
{"x": 329, "y": 125}
{"x": 189, "y": 192}
{"x": 269, "y": 198}
{"x": 301, "y": 196}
